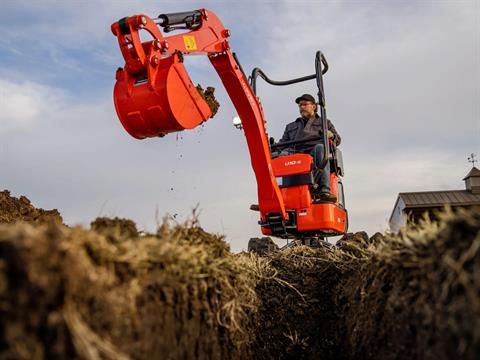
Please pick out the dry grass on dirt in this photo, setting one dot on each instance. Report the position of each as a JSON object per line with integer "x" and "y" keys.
{"x": 209, "y": 96}
{"x": 110, "y": 292}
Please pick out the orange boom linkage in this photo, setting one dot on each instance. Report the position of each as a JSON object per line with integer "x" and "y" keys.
{"x": 154, "y": 96}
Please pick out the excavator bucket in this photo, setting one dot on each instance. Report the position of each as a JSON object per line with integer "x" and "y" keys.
{"x": 159, "y": 101}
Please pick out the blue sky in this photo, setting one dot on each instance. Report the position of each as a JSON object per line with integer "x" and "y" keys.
{"x": 403, "y": 91}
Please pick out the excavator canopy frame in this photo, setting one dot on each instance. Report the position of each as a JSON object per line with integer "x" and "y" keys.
{"x": 320, "y": 61}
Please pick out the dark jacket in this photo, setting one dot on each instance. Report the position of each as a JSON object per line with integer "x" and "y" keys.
{"x": 294, "y": 131}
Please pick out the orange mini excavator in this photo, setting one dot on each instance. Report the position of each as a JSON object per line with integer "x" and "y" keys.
{"x": 154, "y": 96}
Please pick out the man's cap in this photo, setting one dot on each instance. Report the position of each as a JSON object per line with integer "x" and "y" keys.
{"x": 306, "y": 97}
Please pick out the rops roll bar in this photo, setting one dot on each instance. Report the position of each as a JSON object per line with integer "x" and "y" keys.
{"x": 321, "y": 67}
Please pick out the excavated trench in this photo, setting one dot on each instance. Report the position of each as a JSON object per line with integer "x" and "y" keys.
{"x": 112, "y": 292}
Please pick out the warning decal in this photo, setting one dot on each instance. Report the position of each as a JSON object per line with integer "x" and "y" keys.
{"x": 190, "y": 43}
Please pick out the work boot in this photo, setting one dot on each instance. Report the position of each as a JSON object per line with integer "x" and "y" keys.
{"x": 328, "y": 197}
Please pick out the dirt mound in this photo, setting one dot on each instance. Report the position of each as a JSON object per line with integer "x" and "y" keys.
{"x": 115, "y": 228}
{"x": 73, "y": 293}
{"x": 114, "y": 293}
{"x": 13, "y": 209}
{"x": 416, "y": 295}
{"x": 262, "y": 246}
{"x": 297, "y": 315}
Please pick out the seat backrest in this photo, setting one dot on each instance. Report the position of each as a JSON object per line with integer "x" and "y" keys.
{"x": 339, "y": 162}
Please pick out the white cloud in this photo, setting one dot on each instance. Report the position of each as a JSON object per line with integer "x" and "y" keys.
{"x": 24, "y": 105}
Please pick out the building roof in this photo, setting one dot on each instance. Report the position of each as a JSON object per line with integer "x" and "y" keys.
{"x": 473, "y": 173}
{"x": 426, "y": 199}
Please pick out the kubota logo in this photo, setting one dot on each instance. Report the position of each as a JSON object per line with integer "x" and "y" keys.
{"x": 293, "y": 162}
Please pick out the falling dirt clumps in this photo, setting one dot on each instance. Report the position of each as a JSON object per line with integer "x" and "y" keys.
{"x": 209, "y": 96}
{"x": 115, "y": 293}
{"x": 14, "y": 209}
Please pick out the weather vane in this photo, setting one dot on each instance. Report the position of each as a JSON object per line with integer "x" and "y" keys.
{"x": 472, "y": 159}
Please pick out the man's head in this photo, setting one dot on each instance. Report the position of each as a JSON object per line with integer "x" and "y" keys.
{"x": 307, "y": 105}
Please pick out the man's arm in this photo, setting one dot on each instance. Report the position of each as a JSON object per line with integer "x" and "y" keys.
{"x": 336, "y": 136}
{"x": 289, "y": 133}
{"x": 284, "y": 137}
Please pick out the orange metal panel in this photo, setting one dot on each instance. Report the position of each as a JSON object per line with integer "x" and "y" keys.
{"x": 292, "y": 164}
{"x": 172, "y": 104}
{"x": 296, "y": 197}
{"x": 321, "y": 216}
{"x": 266, "y": 231}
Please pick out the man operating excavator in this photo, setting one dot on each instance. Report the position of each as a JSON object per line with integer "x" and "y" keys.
{"x": 309, "y": 125}
{"x": 155, "y": 96}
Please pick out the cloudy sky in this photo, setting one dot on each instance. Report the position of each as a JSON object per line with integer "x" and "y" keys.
{"x": 403, "y": 91}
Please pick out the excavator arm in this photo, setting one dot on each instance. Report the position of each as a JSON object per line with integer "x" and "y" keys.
{"x": 154, "y": 95}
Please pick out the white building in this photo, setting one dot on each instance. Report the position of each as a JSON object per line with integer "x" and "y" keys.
{"x": 411, "y": 206}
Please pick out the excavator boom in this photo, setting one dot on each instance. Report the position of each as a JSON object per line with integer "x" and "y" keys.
{"x": 154, "y": 95}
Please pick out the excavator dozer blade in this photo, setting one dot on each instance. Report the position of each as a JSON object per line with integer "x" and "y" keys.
{"x": 159, "y": 102}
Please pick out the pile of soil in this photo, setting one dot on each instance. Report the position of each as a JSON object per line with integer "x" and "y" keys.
{"x": 115, "y": 293}
{"x": 13, "y": 209}
{"x": 116, "y": 228}
{"x": 297, "y": 315}
{"x": 415, "y": 295}
{"x": 262, "y": 246}
{"x": 73, "y": 293}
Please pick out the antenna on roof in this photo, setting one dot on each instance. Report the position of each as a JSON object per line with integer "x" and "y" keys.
{"x": 472, "y": 159}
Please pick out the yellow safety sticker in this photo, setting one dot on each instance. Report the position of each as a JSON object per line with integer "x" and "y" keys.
{"x": 190, "y": 43}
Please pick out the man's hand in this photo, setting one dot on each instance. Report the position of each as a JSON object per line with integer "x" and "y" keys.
{"x": 330, "y": 134}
